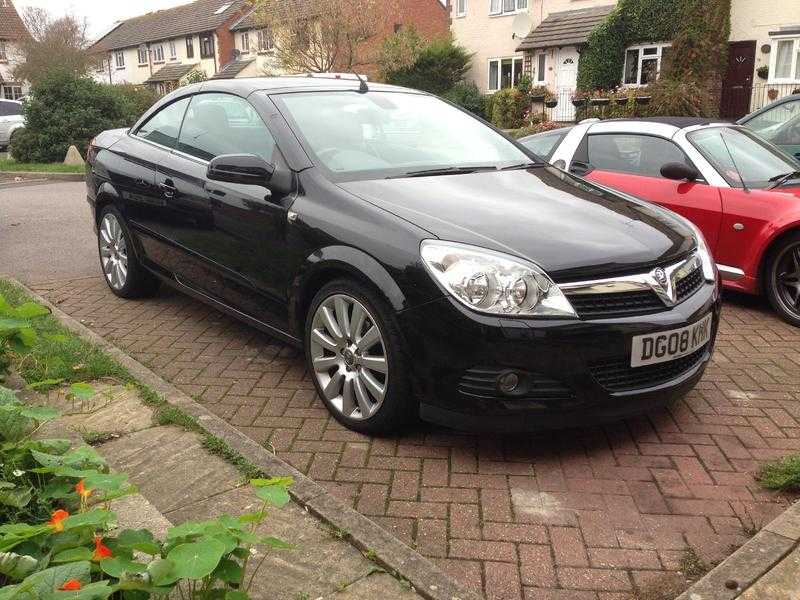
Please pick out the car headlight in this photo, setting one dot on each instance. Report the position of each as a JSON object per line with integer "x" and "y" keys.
{"x": 709, "y": 265}
{"x": 494, "y": 283}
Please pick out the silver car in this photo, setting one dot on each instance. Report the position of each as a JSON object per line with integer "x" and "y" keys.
{"x": 11, "y": 119}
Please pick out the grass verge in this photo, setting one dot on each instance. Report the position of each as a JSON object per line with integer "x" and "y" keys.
{"x": 59, "y": 354}
{"x": 9, "y": 165}
{"x": 782, "y": 474}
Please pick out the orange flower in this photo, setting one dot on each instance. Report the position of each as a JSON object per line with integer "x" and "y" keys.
{"x": 82, "y": 491}
{"x": 100, "y": 550}
{"x": 70, "y": 585}
{"x": 56, "y": 518}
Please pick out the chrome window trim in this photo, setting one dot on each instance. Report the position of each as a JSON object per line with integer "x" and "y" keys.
{"x": 661, "y": 280}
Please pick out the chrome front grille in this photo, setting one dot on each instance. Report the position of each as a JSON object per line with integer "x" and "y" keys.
{"x": 658, "y": 290}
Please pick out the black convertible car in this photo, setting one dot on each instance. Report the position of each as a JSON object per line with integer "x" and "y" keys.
{"x": 428, "y": 264}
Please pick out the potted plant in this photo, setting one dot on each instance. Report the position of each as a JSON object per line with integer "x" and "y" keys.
{"x": 550, "y": 100}
{"x": 621, "y": 96}
{"x": 538, "y": 93}
{"x": 772, "y": 94}
{"x": 763, "y": 72}
{"x": 580, "y": 98}
{"x": 600, "y": 98}
{"x": 643, "y": 96}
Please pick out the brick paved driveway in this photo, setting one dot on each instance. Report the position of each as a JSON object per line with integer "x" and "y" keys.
{"x": 593, "y": 513}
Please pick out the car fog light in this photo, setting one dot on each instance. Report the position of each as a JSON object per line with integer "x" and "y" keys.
{"x": 507, "y": 382}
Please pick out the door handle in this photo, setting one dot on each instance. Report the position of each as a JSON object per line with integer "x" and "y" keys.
{"x": 142, "y": 183}
{"x": 168, "y": 188}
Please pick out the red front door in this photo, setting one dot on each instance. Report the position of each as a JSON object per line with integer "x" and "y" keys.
{"x": 698, "y": 202}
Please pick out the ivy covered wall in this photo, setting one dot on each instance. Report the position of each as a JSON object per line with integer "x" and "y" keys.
{"x": 631, "y": 22}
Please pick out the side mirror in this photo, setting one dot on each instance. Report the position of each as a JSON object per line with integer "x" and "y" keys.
{"x": 240, "y": 168}
{"x": 680, "y": 172}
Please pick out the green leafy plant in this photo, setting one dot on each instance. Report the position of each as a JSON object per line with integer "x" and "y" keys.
{"x": 508, "y": 108}
{"x": 467, "y": 96}
{"x": 435, "y": 67}
{"x": 16, "y": 329}
{"x": 783, "y": 474}
{"x": 763, "y": 72}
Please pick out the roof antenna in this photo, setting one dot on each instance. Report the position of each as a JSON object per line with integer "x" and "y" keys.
{"x": 363, "y": 88}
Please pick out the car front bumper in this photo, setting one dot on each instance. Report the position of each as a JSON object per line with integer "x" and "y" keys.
{"x": 572, "y": 372}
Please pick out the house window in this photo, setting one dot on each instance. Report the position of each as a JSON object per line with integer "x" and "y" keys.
{"x": 643, "y": 63}
{"x": 142, "y": 54}
{"x": 265, "y": 40}
{"x": 158, "y": 53}
{"x": 207, "y": 46}
{"x": 12, "y": 92}
{"x": 189, "y": 47}
{"x": 3, "y": 54}
{"x": 504, "y": 72}
{"x": 541, "y": 67}
{"x": 119, "y": 57}
{"x": 461, "y": 8}
{"x": 246, "y": 42}
{"x": 787, "y": 61}
{"x": 173, "y": 50}
{"x": 506, "y": 7}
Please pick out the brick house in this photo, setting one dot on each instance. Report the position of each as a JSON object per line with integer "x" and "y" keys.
{"x": 255, "y": 44}
{"x": 12, "y": 30}
{"x": 163, "y": 48}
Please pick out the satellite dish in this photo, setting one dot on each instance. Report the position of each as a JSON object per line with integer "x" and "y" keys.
{"x": 521, "y": 25}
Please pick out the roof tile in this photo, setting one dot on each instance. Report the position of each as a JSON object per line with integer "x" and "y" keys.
{"x": 566, "y": 28}
{"x": 11, "y": 25}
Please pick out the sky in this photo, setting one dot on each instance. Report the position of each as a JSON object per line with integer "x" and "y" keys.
{"x": 101, "y": 14}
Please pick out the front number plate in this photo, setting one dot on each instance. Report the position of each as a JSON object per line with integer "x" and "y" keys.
{"x": 668, "y": 345}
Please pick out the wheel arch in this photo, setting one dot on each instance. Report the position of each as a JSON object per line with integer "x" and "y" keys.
{"x": 772, "y": 243}
{"x": 334, "y": 262}
{"x": 106, "y": 194}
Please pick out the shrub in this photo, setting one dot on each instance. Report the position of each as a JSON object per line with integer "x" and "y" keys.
{"x": 535, "y": 128}
{"x": 439, "y": 66}
{"x": 400, "y": 51}
{"x": 688, "y": 98}
{"x": 468, "y": 96}
{"x": 65, "y": 109}
{"x": 508, "y": 108}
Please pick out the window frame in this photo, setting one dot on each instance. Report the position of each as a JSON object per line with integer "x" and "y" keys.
{"x": 154, "y": 115}
{"x": 641, "y": 58}
{"x": 245, "y": 41}
{"x": 142, "y": 51}
{"x": 794, "y": 73}
{"x": 189, "y": 46}
{"x": 3, "y": 51}
{"x": 158, "y": 54}
{"x": 499, "y": 61}
{"x": 211, "y": 53}
{"x": 541, "y": 67}
{"x": 265, "y": 40}
{"x": 173, "y": 50}
{"x": 463, "y": 8}
{"x": 519, "y": 6}
{"x": 119, "y": 59}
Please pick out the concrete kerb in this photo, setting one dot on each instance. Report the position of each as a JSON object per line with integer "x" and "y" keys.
{"x": 733, "y": 576}
{"x": 397, "y": 558}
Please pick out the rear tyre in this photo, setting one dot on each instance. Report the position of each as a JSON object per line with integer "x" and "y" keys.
{"x": 123, "y": 272}
{"x": 357, "y": 358}
{"x": 782, "y": 279}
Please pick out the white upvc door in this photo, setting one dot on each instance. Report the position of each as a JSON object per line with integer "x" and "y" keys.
{"x": 566, "y": 82}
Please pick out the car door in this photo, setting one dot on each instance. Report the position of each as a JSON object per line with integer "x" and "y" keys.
{"x": 780, "y": 125}
{"x": 8, "y": 110}
{"x": 231, "y": 235}
{"x": 149, "y": 211}
{"x": 632, "y": 163}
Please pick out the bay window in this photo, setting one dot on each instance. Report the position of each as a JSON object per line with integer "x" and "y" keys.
{"x": 505, "y": 7}
{"x": 786, "y": 67}
{"x": 643, "y": 63}
{"x": 504, "y": 73}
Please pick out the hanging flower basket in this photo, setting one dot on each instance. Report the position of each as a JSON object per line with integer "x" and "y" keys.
{"x": 551, "y": 102}
{"x": 600, "y": 101}
{"x": 642, "y": 99}
{"x": 537, "y": 98}
{"x": 579, "y": 101}
{"x": 621, "y": 100}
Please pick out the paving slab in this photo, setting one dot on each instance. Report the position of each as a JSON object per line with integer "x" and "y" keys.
{"x": 780, "y": 583}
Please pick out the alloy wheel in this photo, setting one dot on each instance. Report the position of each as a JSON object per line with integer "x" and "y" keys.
{"x": 113, "y": 251}
{"x": 349, "y": 357}
{"x": 787, "y": 278}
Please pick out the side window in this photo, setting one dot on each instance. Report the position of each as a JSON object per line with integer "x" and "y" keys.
{"x": 544, "y": 144}
{"x": 775, "y": 122}
{"x": 218, "y": 124}
{"x": 164, "y": 126}
{"x": 636, "y": 154}
{"x": 10, "y": 109}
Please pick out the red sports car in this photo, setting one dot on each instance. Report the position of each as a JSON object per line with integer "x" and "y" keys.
{"x": 742, "y": 192}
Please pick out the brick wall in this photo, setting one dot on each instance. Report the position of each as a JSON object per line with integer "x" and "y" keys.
{"x": 430, "y": 18}
{"x": 226, "y": 42}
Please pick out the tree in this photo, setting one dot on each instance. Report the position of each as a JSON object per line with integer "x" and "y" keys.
{"x": 62, "y": 41}
{"x": 318, "y": 36}
{"x": 436, "y": 67}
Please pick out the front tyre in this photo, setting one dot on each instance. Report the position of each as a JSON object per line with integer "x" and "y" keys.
{"x": 355, "y": 355}
{"x": 122, "y": 270}
{"x": 783, "y": 279}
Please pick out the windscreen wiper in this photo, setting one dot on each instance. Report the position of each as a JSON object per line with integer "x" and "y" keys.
{"x": 525, "y": 165}
{"x": 779, "y": 180}
{"x": 444, "y": 171}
